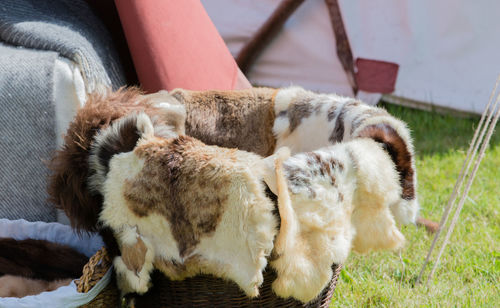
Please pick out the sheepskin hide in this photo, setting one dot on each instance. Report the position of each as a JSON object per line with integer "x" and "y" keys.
{"x": 180, "y": 206}
{"x": 306, "y": 121}
{"x": 338, "y": 197}
{"x": 69, "y": 166}
{"x": 240, "y": 119}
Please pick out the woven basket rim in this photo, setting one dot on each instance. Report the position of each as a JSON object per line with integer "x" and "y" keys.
{"x": 100, "y": 263}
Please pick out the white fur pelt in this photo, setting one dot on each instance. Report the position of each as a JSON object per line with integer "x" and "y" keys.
{"x": 180, "y": 206}
{"x": 307, "y": 121}
{"x": 336, "y": 198}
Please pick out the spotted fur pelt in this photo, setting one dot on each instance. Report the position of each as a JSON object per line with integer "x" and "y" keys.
{"x": 332, "y": 200}
{"x": 180, "y": 206}
{"x": 306, "y": 121}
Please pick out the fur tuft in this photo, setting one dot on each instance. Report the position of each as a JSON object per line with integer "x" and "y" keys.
{"x": 121, "y": 136}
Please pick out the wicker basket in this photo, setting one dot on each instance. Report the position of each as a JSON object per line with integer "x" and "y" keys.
{"x": 199, "y": 291}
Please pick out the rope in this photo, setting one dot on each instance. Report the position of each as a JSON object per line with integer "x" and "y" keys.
{"x": 471, "y": 153}
{"x": 94, "y": 270}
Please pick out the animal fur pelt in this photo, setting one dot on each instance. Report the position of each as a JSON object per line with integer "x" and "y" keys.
{"x": 16, "y": 286}
{"x": 331, "y": 199}
{"x": 307, "y": 121}
{"x": 240, "y": 119}
{"x": 180, "y": 206}
{"x": 40, "y": 259}
{"x": 69, "y": 166}
{"x": 256, "y": 120}
{"x": 301, "y": 120}
{"x": 128, "y": 129}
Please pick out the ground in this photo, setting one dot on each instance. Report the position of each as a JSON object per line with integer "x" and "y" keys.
{"x": 469, "y": 270}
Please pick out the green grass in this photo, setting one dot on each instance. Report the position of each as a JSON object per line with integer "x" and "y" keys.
{"x": 469, "y": 271}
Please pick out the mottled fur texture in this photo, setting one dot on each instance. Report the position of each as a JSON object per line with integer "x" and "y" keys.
{"x": 240, "y": 119}
{"x": 69, "y": 166}
{"x": 262, "y": 119}
{"x": 184, "y": 207}
{"x": 306, "y": 121}
{"x": 256, "y": 120}
{"x": 334, "y": 199}
{"x": 40, "y": 259}
{"x": 16, "y": 286}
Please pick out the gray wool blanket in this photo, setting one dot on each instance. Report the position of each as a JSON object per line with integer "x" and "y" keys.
{"x": 27, "y": 135}
{"x": 67, "y": 27}
{"x": 33, "y": 34}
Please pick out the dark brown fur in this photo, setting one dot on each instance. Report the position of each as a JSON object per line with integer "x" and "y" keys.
{"x": 124, "y": 142}
{"x": 160, "y": 187}
{"x": 398, "y": 150}
{"x": 298, "y": 111}
{"x": 338, "y": 132}
{"x": 215, "y": 117}
{"x": 40, "y": 259}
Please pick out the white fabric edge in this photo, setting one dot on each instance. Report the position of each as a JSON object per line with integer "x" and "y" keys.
{"x": 64, "y": 297}
{"x": 69, "y": 96}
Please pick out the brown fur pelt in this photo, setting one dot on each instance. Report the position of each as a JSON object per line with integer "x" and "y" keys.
{"x": 240, "y": 119}
{"x": 16, "y": 286}
{"x": 180, "y": 206}
{"x": 40, "y": 259}
{"x": 69, "y": 166}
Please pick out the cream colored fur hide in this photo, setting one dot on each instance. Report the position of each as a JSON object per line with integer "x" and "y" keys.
{"x": 182, "y": 207}
{"x": 331, "y": 200}
{"x": 306, "y": 121}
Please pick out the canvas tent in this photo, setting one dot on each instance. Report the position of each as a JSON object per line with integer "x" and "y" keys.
{"x": 446, "y": 50}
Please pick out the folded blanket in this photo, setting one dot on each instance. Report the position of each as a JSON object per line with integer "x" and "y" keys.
{"x": 68, "y": 27}
{"x": 50, "y": 32}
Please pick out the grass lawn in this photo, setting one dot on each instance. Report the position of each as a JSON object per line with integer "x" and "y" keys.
{"x": 469, "y": 271}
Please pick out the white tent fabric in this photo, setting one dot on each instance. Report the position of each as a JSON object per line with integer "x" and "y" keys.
{"x": 446, "y": 50}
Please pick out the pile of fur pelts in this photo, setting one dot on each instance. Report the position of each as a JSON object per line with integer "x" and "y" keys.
{"x": 177, "y": 182}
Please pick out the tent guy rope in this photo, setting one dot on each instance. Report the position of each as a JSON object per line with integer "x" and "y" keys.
{"x": 478, "y": 139}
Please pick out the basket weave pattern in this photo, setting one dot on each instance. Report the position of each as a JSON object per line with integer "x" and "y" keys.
{"x": 199, "y": 291}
